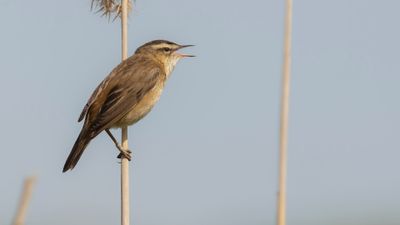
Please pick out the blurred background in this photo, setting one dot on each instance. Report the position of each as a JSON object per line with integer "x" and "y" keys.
{"x": 207, "y": 153}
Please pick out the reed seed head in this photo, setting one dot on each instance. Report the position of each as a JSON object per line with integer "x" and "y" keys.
{"x": 110, "y": 7}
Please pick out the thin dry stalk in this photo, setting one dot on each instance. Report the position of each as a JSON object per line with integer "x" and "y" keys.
{"x": 125, "y": 208}
{"x": 284, "y": 117}
{"x": 24, "y": 200}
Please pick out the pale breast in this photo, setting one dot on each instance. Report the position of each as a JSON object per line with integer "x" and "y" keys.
{"x": 143, "y": 107}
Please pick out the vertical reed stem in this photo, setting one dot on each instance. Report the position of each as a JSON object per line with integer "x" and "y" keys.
{"x": 125, "y": 220}
{"x": 283, "y": 140}
{"x": 24, "y": 201}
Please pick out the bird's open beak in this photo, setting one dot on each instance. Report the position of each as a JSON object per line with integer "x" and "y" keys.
{"x": 184, "y": 55}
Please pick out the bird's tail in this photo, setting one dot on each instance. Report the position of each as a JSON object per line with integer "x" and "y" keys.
{"x": 80, "y": 144}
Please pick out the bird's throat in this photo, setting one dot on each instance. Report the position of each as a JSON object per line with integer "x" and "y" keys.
{"x": 170, "y": 65}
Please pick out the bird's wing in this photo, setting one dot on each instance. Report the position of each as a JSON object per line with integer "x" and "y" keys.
{"x": 101, "y": 87}
{"x": 124, "y": 88}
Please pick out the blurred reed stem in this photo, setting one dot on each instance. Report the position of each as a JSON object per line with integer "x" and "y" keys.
{"x": 284, "y": 116}
{"x": 25, "y": 198}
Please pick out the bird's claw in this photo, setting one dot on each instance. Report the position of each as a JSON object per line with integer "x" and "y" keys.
{"x": 124, "y": 153}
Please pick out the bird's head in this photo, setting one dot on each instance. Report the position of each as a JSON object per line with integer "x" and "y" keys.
{"x": 164, "y": 51}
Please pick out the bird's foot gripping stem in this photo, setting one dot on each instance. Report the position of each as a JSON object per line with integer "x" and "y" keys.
{"x": 124, "y": 153}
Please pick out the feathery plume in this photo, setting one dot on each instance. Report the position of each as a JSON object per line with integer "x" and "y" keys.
{"x": 110, "y": 7}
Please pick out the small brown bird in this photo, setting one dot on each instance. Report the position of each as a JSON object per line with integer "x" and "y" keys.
{"x": 127, "y": 94}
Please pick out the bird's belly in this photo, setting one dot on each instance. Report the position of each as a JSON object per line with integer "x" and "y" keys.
{"x": 141, "y": 108}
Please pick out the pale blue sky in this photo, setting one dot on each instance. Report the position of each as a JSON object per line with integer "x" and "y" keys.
{"x": 207, "y": 154}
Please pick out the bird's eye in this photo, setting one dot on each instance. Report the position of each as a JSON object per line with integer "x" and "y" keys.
{"x": 166, "y": 49}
